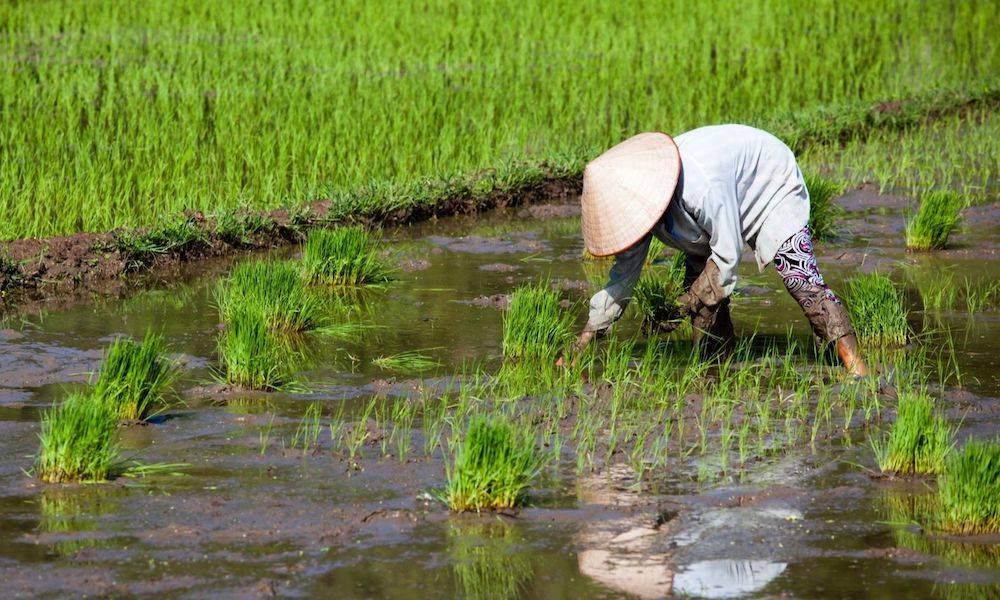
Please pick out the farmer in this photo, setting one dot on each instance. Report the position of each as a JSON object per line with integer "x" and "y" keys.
{"x": 706, "y": 193}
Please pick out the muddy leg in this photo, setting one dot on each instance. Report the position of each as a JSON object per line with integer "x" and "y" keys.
{"x": 719, "y": 337}
{"x": 830, "y": 322}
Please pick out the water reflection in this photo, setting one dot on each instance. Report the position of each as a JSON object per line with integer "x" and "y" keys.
{"x": 487, "y": 563}
{"x": 726, "y": 578}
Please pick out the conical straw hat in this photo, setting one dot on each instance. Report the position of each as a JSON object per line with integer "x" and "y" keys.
{"x": 626, "y": 190}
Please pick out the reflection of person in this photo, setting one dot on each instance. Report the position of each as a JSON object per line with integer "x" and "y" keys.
{"x": 707, "y": 193}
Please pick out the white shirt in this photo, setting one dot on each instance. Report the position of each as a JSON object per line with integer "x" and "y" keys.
{"x": 739, "y": 185}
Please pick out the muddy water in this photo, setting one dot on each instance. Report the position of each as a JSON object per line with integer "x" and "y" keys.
{"x": 242, "y": 522}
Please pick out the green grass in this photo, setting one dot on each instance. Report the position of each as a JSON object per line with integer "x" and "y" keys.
{"x": 534, "y": 325}
{"x": 970, "y": 489}
{"x": 118, "y": 114}
{"x": 919, "y": 440}
{"x": 77, "y": 440}
{"x": 877, "y": 311}
{"x": 135, "y": 377}
{"x": 492, "y": 467}
{"x": 824, "y": 213}
{"x": 935, "y": 220}
{"x": 251, "y": 353}
{"x": 141, "y": 247}
{"x": 412, "y": 361}
{"x": 345, "y": 256}
{"x": 273, "y": 290}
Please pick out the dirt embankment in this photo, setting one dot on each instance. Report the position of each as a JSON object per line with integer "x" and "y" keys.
{"x": 84, "y": 263}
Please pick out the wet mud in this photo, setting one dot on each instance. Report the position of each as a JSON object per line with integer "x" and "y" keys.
{"x": 251, "y": 516}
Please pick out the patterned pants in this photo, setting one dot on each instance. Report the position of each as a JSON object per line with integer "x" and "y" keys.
{"x": 796, "y": 264}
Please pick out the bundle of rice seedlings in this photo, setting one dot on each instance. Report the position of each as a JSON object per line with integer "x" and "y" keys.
{"x": 970, "y": 489}
{"x": 936, "y": 218}
{"x": 272, "y": 289}
{"x": 345, "y": 256}
{"x": 824, "y": 213}
{"x": 534, "y": 325}
{"x": 877, "y": 311}
{"x": 411, "y": 361}
{"x": 655, "y": 297}
{"x": 919, "y": 440}
{"x": 77, "y": 440}
{"x": 134, "y": 377}
{"x": 492, "y": 467}
{"x": 251, "y": 354}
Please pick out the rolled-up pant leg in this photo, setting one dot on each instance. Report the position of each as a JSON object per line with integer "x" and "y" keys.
{"x": 796, "y": 264}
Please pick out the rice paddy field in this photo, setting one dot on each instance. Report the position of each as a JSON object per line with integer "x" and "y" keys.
{"x": 358, "y": 408}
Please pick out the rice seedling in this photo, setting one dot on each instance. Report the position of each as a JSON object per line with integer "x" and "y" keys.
{"x": 273, "y": 291}
{"x": 655, "y": 297}
{"x": 252, "y": 356}
{"x": 824, "y": 213}
{"x": 492, "y": 467}
{"x": 534, "y": 325}
{"x": 238, "y": 228}
{"x": 938, "y": 288}
{"x": 411, "y": 361}
{"x": 897, "y": 159}
{"x": 935, "y": 220}
{"x": 139, "y": 248}
{"x": 918, "y": 441}
{"x": 970, "y": 488}
{"x": 134, "y": 377}
{"x": 306, "y": 436}
{"x": 78, "y": 441}
{"x": 877, "y": 311}
{"x": 344, "y": 256}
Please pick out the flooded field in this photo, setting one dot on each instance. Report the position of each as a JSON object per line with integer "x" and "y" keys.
{"x": 354, "y": 510}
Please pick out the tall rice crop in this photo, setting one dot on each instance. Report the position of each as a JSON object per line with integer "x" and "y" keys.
{"x": 77, "y": 440}
{"x": 970, "y": 489}
{"x": 345, "y": 256}
{"x": 492, "y": 467}
{"x": 877, "y": 311}
{"x": 919, "y": 440}
{"x": 119, "y": 113}
{"x": 935, "y": 220}
{"x": 824, "y": 213}
{"x": 274, "y": 291}
{"x": 534, "y": 325}
{"x": 251, "y": 354}
{"x": 134, "y": 376}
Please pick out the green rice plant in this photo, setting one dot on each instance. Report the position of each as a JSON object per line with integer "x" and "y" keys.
{"x": 344, "y": 256}
{"x": 492, "y": 467}
{"x": 237, "y": 228}
{"x": 938, "y": 288}
{"x": 877, "y": 311}
{"x": 534, "y": 325}
{"x": 824, "y": 213}
{"x": 306, "y": 436}
{"x": 918, "y": 441}
{"x": 936, "y": 218}
{"x": 411, "y": 361}
{"x": 139, "y": 248}
{"x": 272, "y": 290}
{"x": 134, "y": 377}
{"x": 245, "y": 127}
{"x": 252, "y": 356}
{"x": 78, "y": 440}
{"x": 655, "y": 297}
{"x": 970, "y": 489}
